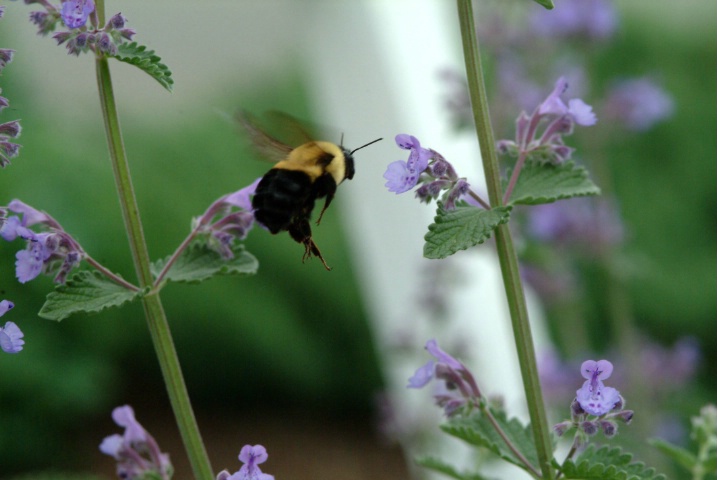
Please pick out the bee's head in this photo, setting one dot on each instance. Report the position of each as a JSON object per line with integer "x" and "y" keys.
{"x": 349, "y": 162}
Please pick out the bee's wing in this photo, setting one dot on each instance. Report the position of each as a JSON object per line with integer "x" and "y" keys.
{"x": 266, "y": 146}
{"x": 291, "y": 129}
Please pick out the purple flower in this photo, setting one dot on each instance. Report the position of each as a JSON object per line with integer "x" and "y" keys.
{"x": 577, "y": 110}
{"x": 11, "y": 338}
{"x": 423, "y": 375}
{"x": 136, "y": 451}
{"x": 242, "y": 198}
{"x": 399, "y": 178}
{"x": 6, "y": 55}
{"x": 251, "y": 456}
{"x": 588, "y": 223}
{"x": 594, "y": 397}
{"x": 402, "y": 176}
{"x": 53, "y": 250}
{"x": 8, "y": 130}
{"x": 593, "y": 19}
{"x": 224, "y": 224}
{"x": 639, "y": 103}
{"x": 74, "y": 13}
{"x": 29, "y": 262}
{"x": 458, "y": 387}
{"x": 10, "y": 335}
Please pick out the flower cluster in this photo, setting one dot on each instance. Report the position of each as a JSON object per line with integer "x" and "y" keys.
{"x": 53, "y": 250}
{"x": 438, "y": 177}
{"x": 136, "y": 451}
{"x": 251, "y": 457}
{"x": 588, "y": 224}
{"x": 8, "y": 130}
{"x": 596, "y": 400}
{"x": 80, "y": 38}
{"x": 458, "y": 388}
{"x": 224, "y": 224}
{"x": 561, "y": 119}
{"x": 10, "y": 335}
{"x": 586, "y": 19}
{"x": 638, "y": 103}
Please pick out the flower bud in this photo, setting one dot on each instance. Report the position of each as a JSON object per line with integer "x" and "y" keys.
{"x": 116, "y": 22}
{"x": 590, "y": 428}
{"x": 561, "y": 428}
{"x": 625, "y": 416}
{"x": 609, "y": 428}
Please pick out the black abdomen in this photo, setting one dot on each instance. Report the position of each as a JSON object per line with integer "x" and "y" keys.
{"x": 281, "y": 196}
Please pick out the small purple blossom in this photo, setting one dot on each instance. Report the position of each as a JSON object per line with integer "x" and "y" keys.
{"x": 594, "y": 397}
{"x": 251, "y": 456}
{"x": 401, "y": 176}
{"x": 242, "y": 198}
{"x": 6, "y": 56}
{"x": 549, "y": 146}
{"x": 53, "y": 250}
{"x": 8, "y": 130}
{"x": 10, "y": 335}
{"x": 591, "y": 19}
{"x": 577, "y": 110}
{"x": 74, "y": 13}
{"x": 425, "y": 166}
{"x": 224, "y": 224}
{"x": 458, "y": 387}
{"x": 638, "y": 103}
{"x": 590, "y": 224}
{"x": 136, "y": 451}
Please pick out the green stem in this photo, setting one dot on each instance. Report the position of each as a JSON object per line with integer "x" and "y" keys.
{"x": 530, "y": 468}
{"x": 154, "y": 312}
{"x": 504, "y": 242}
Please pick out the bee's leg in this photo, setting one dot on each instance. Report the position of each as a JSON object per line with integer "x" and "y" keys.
{"x": 325, "y": 186}
{"x": 301, "y": 232}
{"x": 329, "y": 197}
{"x": 311, "y": 247}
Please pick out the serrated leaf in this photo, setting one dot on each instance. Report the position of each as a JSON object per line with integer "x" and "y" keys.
{"x": 198, "y": 263}
{"x": 442, "y": 467}
{"x": 461, "y": 228}
{"x": 88, "y": 292}
{"x": 608, "y": 463}
{"x": 145, "y": 60}
{"x": 478, "y": 430}
{"x": 541, "y": 182}
{"x": 684, "y": 457}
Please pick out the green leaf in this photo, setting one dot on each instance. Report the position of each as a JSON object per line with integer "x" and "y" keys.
{"x": 86, "y": 291}
{"x": 442, "y": 467}
{"x": 540, "y": 182}
{"x": 546, "y": 3}
{"x": 461, "y": 228}
{"x": 198, "y": 263}
{"x": 478, "y": 430}
{"x": 145, "y": 60}
{"x": 608, "y": 463}
{"x": 684, "y": 457}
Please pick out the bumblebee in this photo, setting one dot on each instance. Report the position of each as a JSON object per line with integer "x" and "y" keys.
{"x": 284, "y": 198}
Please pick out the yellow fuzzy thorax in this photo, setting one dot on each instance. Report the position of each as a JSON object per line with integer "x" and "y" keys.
{"x": 310, "y": 158}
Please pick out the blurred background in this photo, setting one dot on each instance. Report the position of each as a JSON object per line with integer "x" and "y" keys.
{"x": 312, "y": 364}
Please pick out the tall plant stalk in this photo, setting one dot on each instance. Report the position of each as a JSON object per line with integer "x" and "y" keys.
{"x": 504, "y": 241}
{"x": 153, "y": 309}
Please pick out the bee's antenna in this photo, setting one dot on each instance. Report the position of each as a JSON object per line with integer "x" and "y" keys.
{"x": 369, "y": 143}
